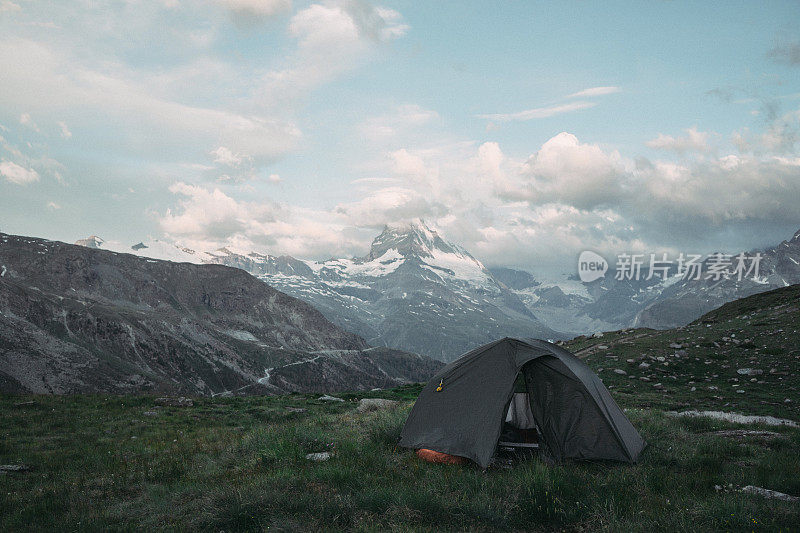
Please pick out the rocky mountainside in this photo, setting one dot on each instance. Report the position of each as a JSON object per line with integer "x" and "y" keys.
{"x": 77, "y": 319}
{"x": 608, "y": 304}
{"x": 413, "y": 291}
{"x": 688, "y": 299}
{"x": 742, "y": 357}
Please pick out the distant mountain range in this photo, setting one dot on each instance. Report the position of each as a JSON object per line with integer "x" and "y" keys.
{"x": 76, "y": 319}
{"x": 416, "y": 291}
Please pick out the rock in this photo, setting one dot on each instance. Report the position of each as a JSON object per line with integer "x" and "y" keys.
{"x": 644, "y": 365}
{"x": 24, "y": 404}
{"x": 749, "y": 371}
{"x": 318, "y": 457}
{"x": 630, "y": 361}
{"x": 150, "y": 413}
{"x": 741, "y": 433}
{"x": 602, "y": 347}
{"x": 770, "y": 494}
{"x": 296, "y": 409}
{"x": 171, "y": 401}
{"x": 740, "y": 391}
{"x": 693, "y": 389}
{"x": 738, "y": 418}
{"x": 327, "y": 398}
{"x": 620, "y": 372}
{"x": 371, "y": 404}
{"x": 644, "y": 378}
{"x": 14, "y": 468}
{"x": 681, "y": 353}
{"x": 661, "y": 358}
{"x": 676, "y": 345}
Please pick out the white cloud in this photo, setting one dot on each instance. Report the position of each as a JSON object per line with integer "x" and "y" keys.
{"x": 274, "y": 178}
{"x": 26, "y": 120}
{"x": 401, "y": 120}
{"x": 225, "y": 156}
{"x": 595, "y": 91}
{"x": 65, "y": 133}
{"x": 53, "y": 206}
{"x": 7, "y": 6}
{"x": 17, "y": 174}
{"x": 693, "y": 141}
{"x": 568, "y": 171}
{"x": 256, "y": 9}
{"x": 539, "y": 112}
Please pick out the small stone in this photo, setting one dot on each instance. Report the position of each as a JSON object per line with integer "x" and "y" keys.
{"x": 740, "y": 391}
{"x": 620, "y": 372}
{"x": 602, "y": 347}
{"x": 296, "y": 409}
{"x": 24, "y": 404}
{"x": 644, "y": 365}
{"x": 150, "y": 413}
{"x": 693, "y": 389}
{"x": 661, "y": 358}
{"x": 327, "y": 398}
{"x": 644, "y": 378}
{"x": 630, "y": 361}
{"x": 676, "y": 345}
{"x": 318, "y": 457}
{"x": 14, "y": 468}
{"x": 749, "y": 371}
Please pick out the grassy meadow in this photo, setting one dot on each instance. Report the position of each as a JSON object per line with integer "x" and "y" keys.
{"x": 225, "y": 464}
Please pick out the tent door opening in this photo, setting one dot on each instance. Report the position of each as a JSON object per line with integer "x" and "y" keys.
{"x": 519, "y": 427}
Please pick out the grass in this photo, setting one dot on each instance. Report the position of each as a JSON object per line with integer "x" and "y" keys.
{"x": 229, "y": 464}
{"x": 225, "y": 464}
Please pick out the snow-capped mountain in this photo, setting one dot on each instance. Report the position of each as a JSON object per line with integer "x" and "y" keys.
{"x": 609, "y": 304}
{"x": 413, "y": 290}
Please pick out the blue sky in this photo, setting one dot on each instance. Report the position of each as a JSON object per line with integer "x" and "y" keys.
{"x": 526, "y": 132}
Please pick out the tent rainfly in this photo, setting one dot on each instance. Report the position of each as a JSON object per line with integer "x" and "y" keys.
{"x": 463, "y": 409}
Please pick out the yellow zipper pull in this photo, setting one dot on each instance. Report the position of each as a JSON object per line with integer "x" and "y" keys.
{"x": 439, "y": 388}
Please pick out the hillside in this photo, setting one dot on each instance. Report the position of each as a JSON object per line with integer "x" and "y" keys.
{"x": 412, "y": 291}
{"x": 76, "y": 319}
{"x": 744, "y": 356}
{"x": 224, "y": 464}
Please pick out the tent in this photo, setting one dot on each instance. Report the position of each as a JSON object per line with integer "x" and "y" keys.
{"x": 465, "y": 407}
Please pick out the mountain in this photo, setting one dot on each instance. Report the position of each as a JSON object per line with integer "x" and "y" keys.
{"x": 688, "y": 299}
{"x": 608, "y": 304}
{"x": 78, "y": 319}
{"x": 413, "y": 291}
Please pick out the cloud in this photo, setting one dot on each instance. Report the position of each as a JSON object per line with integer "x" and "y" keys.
{"x": 568, "y": 171}
{"x": 595, "y": 91}
{"x": 247, "y": 13}
{"x": 7, "y": 6}
{"x": 332, "y": 38}
{"x": 787, "y": 53}
{"x": 26, "y": 120}
{"x": 65, "y": 133}
{"x": 539, "y": 112}
{"x": 693, "y": 141}
{"x": 401, "y": 120}
{"x": 53, "y": 206}
{"x": 17, "y": 174}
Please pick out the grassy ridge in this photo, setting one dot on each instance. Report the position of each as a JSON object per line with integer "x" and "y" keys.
{"x": 239, "y": 463}
{"x": 110, "y": 462}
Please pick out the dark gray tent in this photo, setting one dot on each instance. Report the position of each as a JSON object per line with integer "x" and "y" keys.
{"x": 570, "y": 408}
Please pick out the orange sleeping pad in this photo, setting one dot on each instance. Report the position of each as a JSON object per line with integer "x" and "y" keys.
{"x": 439, "y": 457}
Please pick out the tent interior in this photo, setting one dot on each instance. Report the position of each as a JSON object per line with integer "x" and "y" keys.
{"x": 519, "y": 428}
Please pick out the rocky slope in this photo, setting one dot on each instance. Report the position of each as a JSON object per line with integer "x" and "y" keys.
{"x": 413, "y": 291}
{"x": 76, "y": 319}
{"x": 608, "y": 304}
{"x": 742, "y": 357}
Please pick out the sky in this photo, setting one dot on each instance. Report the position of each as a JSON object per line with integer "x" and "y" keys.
{"x": 527, "y": 132}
